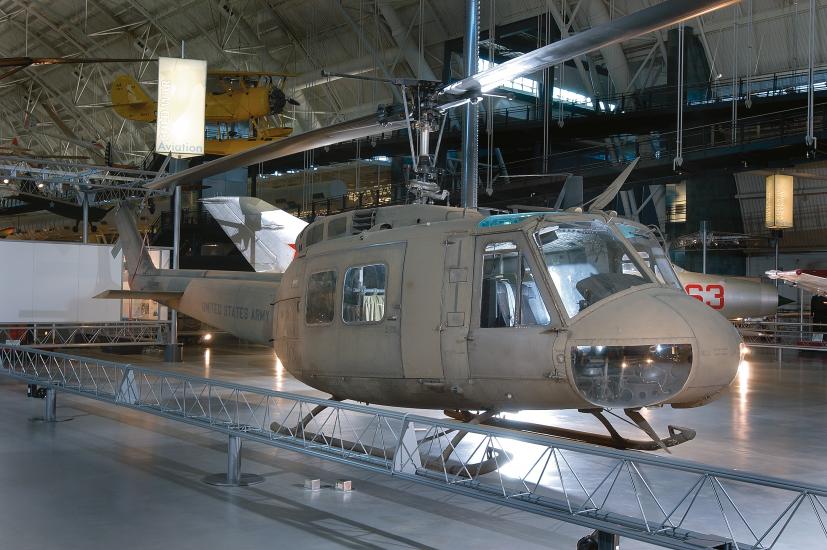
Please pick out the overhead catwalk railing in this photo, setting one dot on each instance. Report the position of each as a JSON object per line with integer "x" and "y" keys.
{"x": 70, "y": 182}
{"x": 655, "y": 499}
{"x": 73, "y": 335}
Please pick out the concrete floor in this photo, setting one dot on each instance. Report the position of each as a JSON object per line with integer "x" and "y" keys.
{"x": 110, "y": 477}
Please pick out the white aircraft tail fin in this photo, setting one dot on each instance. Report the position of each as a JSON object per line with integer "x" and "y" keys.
{"x": 264, "y": 234}
{"x": 134, "y": 248}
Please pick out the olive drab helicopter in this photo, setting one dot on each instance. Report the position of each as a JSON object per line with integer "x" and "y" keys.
{"x": 432, "y": 306}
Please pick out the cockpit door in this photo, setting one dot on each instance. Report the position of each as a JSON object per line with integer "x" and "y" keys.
{"x": 512, "y": 320}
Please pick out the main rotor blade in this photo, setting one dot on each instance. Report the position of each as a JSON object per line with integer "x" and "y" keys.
{"x": 635, "y": 24}
{"x": 604, "y": 198}
{"x": 345, "y": 131}
{"x": 27, "y": 61}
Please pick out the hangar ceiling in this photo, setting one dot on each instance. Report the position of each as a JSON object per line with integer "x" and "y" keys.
{"x": 400, "y": 37}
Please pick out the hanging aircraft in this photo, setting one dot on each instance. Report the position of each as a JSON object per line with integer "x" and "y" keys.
{"x": 811, "y": 280}
{"x": 253, "y": 99}
{"x": 440, "y": 307}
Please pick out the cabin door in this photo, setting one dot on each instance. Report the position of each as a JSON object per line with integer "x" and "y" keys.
{"x": 509, "y": 317}
{"x": 369, "y": 319}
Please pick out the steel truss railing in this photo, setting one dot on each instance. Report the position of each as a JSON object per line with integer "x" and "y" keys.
{"x": 783, "y": 335}
{"x": 663, "y": 501}
{"x": 66, "y": 335}
{"x": 69, "y": 182}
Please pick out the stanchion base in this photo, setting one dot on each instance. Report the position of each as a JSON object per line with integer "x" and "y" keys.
{"x": 220, "y": 480}
{"x": 41, "y": 420}
{"x": 172, "y": 353}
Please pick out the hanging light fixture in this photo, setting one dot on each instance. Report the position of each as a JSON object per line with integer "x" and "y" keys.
{"x": 779, "y": 206}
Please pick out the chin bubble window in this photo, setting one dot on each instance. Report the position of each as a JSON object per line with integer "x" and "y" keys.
{"x": 630, "y": 376}
{"x": 588, "y": 262}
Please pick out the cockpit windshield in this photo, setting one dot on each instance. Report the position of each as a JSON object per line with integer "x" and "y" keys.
{"x": 651, "y": 252}
{"x": 586, "y": 262}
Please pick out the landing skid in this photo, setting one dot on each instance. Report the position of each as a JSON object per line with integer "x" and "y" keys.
{"x": 493, "y": 457}
{"x": 677, "y": 435}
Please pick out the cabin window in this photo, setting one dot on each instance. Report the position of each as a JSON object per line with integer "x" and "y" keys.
{"x": 336, "y": 228}
{"x": 321, "y": 288}
{"x": 510, "y": 296}
{"x": 363, "y": 297}
{"x": 315, "y": 234}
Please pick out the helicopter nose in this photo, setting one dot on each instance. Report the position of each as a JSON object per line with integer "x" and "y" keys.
{"x": 652, "y": 346}
{"x": 719, "y": 350}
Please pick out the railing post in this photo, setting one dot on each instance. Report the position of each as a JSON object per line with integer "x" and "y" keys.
{"x": 234, "y": 477}
{"x": 234, "y": 460}
{"x": 406, "y": 459}
{"x": 50, "y": 405}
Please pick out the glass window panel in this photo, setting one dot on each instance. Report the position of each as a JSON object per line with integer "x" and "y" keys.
{"x": 363, "y": 297}
{"x": 321, "y": 289}
{"x": 587, "y": 262}
{"x": 315, "y": 234}
{"x": 651, "y": 252}
{"x": 509, "y": 296}
{"x": 336, "y": 228}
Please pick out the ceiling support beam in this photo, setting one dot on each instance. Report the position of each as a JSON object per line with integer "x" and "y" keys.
{"x": 564, "y": 27}
{"x": 413, "y": 57}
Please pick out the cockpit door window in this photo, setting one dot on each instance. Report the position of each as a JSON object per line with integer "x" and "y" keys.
{"x": 651, "y": 252}
{"x": 509, "y": 294}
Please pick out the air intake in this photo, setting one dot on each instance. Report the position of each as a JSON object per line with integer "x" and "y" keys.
{"x": 363, "y": 220}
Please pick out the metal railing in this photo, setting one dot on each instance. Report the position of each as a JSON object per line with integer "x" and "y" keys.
{"x": 71, "y": 335}
{"x": 68, "y": 182}
{"x": 783, "y": 335}
{"x": 663, "y": 501}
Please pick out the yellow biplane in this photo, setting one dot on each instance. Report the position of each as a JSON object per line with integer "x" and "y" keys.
{"x": 233, "y": 97}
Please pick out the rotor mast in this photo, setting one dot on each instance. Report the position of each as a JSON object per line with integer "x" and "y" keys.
{"x": 470, "y": 130}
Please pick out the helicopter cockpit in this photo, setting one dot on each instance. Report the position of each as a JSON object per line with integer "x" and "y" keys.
{"x": 588, "y": 262}
{"x": 635, "y": 351}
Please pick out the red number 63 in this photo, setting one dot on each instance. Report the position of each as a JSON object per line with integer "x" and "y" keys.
{"x": 712, "y": 295}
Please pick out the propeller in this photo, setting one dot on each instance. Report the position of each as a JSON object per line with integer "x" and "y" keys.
{"x": 279, "y": 100}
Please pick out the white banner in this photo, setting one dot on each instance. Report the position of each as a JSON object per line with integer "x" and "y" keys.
{"x": 182, "y": 85}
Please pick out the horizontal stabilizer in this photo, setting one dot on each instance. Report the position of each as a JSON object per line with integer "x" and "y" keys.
{"x": 168, "y": 298}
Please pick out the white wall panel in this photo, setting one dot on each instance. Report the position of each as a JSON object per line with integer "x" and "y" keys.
{"x": 42, "y": 282}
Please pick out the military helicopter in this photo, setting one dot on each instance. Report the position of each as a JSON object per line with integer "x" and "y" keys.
{"x": 450, "y": 308}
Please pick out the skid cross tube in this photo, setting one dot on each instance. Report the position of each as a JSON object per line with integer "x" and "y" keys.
{"x": 655, "y": 499}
